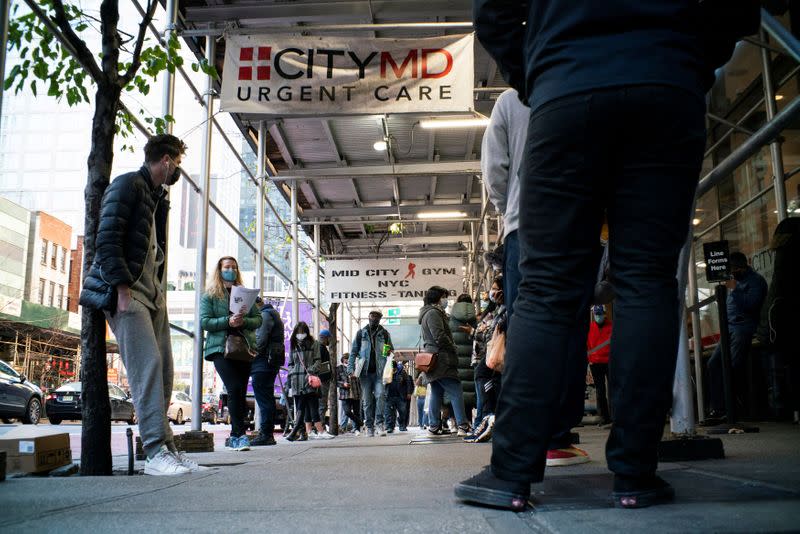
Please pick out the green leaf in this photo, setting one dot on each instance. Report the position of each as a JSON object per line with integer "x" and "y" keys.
{"x": 33, "y": 88}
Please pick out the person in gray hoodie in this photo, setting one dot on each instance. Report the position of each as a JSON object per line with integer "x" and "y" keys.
{"x": 443, "y": 377}
{"x": 463, "y": 324}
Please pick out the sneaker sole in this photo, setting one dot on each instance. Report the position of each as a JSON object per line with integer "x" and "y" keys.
{"x": 490, "y": 497}
{"x": 561, "y": 462}
{"x": 160, "y": 474}
{"x": 643, "y": 499}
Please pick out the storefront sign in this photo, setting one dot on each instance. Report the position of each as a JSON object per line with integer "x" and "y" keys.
{"x": 283, "y": 75}
{"x": 380, "y": 280}
{"x": 717, "y": 257}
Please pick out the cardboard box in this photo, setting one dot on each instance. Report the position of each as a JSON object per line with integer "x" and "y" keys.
{"x": 32, "y": 450}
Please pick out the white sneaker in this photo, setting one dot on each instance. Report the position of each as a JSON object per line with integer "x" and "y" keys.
{"x": 357, "y": 433}
{"x": 382, "y": 431}
{"x": 164, "y": 463}
{"x": 189, "y": 463}
{"x": 326, "y": 435}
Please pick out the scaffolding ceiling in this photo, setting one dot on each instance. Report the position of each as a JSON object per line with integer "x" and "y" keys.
{"x": 357, "y": 192}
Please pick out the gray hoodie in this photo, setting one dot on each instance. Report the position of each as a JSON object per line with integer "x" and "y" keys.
{"x": 501, "y": 154}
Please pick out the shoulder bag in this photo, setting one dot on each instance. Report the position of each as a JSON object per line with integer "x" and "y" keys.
{"x": 237, "y": 348}
{"x": 496, "y": 352}
{"x": 425, "y": 361}
{"x": 313, "y": 380}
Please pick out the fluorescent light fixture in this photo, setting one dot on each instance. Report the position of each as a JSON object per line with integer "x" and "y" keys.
{"x": 778, "y": 97}
{"x": 470, "y": 122}
{"x": 696, "y": 221}
{"x": 702, "y": 265}
{"x": 380, "y": 145}
{"x": 440, "y": 214}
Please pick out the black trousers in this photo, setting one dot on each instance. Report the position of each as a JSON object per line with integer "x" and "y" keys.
{"x": 635, "y": 153}
{"x": 306, "y": 408}
{"x": 351, "y": 409}
{"x": 234, "y": 375}
{"x": 599, "y": 374}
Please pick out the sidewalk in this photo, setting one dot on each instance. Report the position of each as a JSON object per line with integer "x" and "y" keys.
{"x": 378, "y": 484}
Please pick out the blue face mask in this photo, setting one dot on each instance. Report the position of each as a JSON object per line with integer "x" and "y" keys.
{"x": 229, "y": 275}
{"x": 599, "y": 319}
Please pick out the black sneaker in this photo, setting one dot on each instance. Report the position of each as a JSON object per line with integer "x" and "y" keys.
{"x": 438, "y": 431}
{"x": 488, "y": 490}
{"x": 641, "y": 492}
{"x": 263, "y": 440}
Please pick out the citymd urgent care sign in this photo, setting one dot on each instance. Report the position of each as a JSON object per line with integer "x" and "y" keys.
{"x": 347, "y": 280}
{"x": 333, "y": 75}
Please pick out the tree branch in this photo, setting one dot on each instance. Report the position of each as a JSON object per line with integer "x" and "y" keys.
{"x": 60, "y": 27}
{"x": 137, "y": 51}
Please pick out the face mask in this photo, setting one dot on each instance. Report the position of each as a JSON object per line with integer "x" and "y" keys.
{"x": 493, "y": 295}
{"x": 175, "y": 176}
{"x": 484, "y": 306}
{"x": 301, "y": 336}
{"x": 229, "y": 275}
{"x": 444, "y": 302}
{"x": 599, "y": 319}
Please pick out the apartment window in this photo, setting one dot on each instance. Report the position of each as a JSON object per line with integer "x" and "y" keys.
{"x": 44, "y": 251}
{"x": 54, "y": 257}
{"x": 52, "y": 293}
{"x": 60, "y": 300}
{"x": 42, "y": 285}
{"x": 63, "y": 260}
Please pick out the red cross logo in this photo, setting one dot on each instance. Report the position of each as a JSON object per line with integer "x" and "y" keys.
{"x": 262, "y": 71}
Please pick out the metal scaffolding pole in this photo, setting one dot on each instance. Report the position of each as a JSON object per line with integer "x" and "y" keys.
{"x": 168, "y": 94}
{"x": 4, "y": 7}
{"x": 774, "y": 147}
{"x": 485, "y": 223}
{"x": 262, "y": 152}
{"x": 295, "y": 259}
{"x": 682, "y": 419}
{"x": 317, "y": 307}
{"x": 696, "y": 334}
{"x": 202, "y": 247}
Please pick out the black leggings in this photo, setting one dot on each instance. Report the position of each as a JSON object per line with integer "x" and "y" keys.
{"x": 351, "y": 411}
{"x": 307, "y": 408}
{"x": 234, "y": 374}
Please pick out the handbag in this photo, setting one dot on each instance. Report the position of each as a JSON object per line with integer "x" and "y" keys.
{"x": 496, "y": 353}
{"x": 313, "y": 380}
{"x": 425, "y": 361}
{"x": 237, "y": 348}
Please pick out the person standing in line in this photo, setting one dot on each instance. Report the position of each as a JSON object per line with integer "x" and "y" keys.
{"x": 462, "y": 324}
{"x": 324, "y": 375}
{"x": 349, "y": 394}
{"x": 269, "y": 358}
{"x": 420, "y": 391}
{"x": 598, "y": 347}
{"x": 219, "y": 323}
{"x": 368, "y": 353}
{"x": 443, "y": 377}
{"x": 398, "y": 393}
{"x": 610, "y": 130}
{"x": 130, "y": 249}
{"x": 487, "y": 381}
{"x": 306, "y": 362}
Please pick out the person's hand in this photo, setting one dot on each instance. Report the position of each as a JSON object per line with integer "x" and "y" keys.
{"x": 123, "y": 298}
{"x": 346, "y": 385}
{"x": 466, "y": 328}
{"x": 236, "y": 320}
{"x": 730, "y": 284}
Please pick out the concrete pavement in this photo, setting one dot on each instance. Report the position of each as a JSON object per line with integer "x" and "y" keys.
{"x": 383, "y": 484}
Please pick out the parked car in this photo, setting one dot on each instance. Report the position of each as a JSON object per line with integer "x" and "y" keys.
{"x": 180, "y": 408}
{"x": 19, "y": 398}
{"x": 65, "y": 403}
{"x": 210, "y": 413}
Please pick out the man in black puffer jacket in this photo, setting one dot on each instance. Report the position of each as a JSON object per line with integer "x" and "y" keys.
{"x": 131, "y": 246}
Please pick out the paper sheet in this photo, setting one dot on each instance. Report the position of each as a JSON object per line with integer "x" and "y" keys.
{"x": 242, "y": 299}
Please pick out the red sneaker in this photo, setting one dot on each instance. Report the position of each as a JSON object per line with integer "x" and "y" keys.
{"x": 570, "y": 456}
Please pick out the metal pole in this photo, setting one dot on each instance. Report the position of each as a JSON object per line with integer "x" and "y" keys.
{"x": 317, "y": 307}
{"x": 774, "y": 147}
{"x": 295, "y": 259}
{"x": 262, "y": 151}
{"x": 696, "y": 335}
{"x": 725, "y": 346}
{"x": 485, "y": 223}
{"x": 4, "y": 7}
{"x": 473, "y": 234}
{"x": 202, "y": 247}
{"x": 168, "y": 94}
{"x": 682, "y": 418}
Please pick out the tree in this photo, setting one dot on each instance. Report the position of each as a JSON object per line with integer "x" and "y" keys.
{"x": 52, "y": 52}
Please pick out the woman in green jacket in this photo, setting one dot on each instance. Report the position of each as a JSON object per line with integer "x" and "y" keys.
{"x": 219, "y": 323}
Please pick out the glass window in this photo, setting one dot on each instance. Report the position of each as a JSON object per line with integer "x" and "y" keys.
{"x": 42, "y": 285}
{"x": 54, "y": 257}
{"x": 52, "y": 293}
{"x": 60, "y": 298}
{"x": 7, "y": 370}
{"x": 70, "y": 386}
{"x": 44, "y": 251}
{"x": 63, "y": 260}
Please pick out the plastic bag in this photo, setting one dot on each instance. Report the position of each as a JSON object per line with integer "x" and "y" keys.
{"x": 388, "y": 371}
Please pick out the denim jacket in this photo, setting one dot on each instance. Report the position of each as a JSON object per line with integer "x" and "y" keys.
{"x": 362, "y": 347}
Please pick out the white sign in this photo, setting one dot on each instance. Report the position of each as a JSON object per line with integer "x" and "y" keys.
{"x": 374, "y": 280}
{"x": 284, "y": 75}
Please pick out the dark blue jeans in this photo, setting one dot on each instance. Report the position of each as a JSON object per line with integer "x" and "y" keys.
{"x": 635, "y": 153}
{"x": 264, "y": 391}
{"x": 422, "y": 416}
{"x": 741, "y": 339}
{"x": 395, "y": 410}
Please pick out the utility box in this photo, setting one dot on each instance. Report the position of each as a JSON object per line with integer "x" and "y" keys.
{"x": 31, "y": 450}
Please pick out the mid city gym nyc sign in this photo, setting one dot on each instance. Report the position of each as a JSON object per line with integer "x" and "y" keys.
{"x": 376, "y": 280}
{"x": 333, "y": 75}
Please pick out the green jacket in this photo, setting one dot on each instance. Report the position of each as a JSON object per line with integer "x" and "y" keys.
{"x": 214, "y": 316}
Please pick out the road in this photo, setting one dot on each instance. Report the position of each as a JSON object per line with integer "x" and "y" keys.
{"x": 119, "y": 445}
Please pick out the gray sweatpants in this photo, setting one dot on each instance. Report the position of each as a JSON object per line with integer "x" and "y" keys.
{"x": 144, "y": 344}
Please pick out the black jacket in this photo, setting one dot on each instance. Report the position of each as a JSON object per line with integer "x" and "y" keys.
{"x": 270, "y": 349}
{"x": 547, "y": 49}
{"x": 123, "y": 233}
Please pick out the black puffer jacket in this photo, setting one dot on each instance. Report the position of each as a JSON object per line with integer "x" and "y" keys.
{"x": 123, "y": 234}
